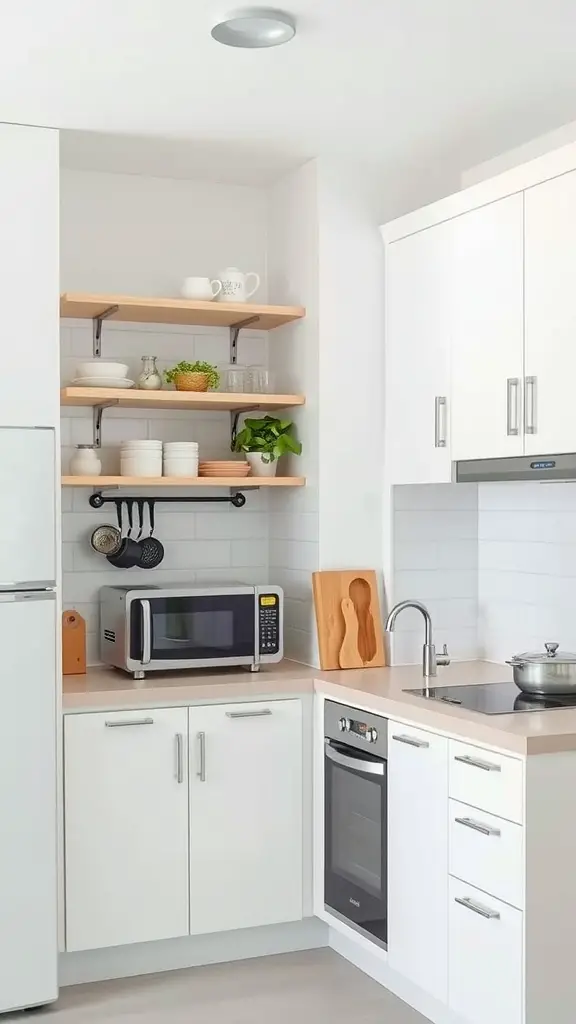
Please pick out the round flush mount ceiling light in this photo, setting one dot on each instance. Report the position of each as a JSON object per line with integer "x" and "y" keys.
{"x": 255, "y": 27}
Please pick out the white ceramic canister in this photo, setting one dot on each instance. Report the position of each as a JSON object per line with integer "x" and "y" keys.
{"x": 85, "y": 461}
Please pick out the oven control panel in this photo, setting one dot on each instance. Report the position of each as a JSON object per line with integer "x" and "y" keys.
{"x": 269, "y": 623}
{"x": 360, "y": 729}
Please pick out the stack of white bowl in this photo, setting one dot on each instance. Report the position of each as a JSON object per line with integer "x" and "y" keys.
{"x": 180, "y": 458}
{"x": 141, "y": 458}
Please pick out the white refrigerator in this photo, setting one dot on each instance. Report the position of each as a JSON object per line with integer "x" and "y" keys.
{"x": 28, "y": 718}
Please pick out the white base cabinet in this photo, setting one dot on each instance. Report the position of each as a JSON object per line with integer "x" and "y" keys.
{"x": 418, "y": 857}
{"x": 182, "y": 821}
{"x": 245, "y": 815}
{"x": 485, "y": 959}
{"x": 126, "y": 821}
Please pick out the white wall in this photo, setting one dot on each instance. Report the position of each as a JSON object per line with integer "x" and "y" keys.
{"x": 135, "y": 235}
{"x": 539, "y": 146}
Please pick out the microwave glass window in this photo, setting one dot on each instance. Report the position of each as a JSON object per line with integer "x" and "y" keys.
{"x": 196, "y": 627}
{"x": 357, "y": 829}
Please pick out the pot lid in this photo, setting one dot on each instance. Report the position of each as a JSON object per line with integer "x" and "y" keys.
{"x": 550, "y": 654}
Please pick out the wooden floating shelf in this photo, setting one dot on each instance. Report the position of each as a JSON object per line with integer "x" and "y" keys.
{"x": 239, "y": 482}
{"x": 134, "y": 309}
{"x": 127, "y": 398}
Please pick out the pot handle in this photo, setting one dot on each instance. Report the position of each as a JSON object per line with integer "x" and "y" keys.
{"x": 516, "y": 663}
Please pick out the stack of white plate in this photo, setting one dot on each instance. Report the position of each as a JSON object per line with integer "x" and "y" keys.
{"x": 99, "y": 374}
{"x": 141, "y": 458}
{"x": 180, "y": 458}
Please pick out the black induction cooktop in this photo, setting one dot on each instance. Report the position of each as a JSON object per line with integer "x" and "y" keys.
{"x": 494, "y": 698}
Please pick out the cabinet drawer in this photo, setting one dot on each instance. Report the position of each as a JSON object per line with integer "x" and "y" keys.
{"x": 485, "y": 957}
{"x": 482, "y": 778}
{"x": 488, "y": 852}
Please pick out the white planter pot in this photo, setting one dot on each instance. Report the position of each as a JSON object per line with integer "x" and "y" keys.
{"x": 260, "y": 468}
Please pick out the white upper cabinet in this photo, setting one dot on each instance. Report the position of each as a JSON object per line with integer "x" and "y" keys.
{"x": 488, "y": 323}
{"x": 417, "y": 409}
{"x": 126, "y": 827}
{"x": 418, "y": 857}
{"x": 27, "y": 511}
{"x": 245, "y": 815}
{"x": 29, "y": 276}
{"x": 550, "y": 247}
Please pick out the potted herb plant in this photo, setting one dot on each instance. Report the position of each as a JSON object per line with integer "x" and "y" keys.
{"x": 264, "y": 441}
{"x": 198, "y": 376}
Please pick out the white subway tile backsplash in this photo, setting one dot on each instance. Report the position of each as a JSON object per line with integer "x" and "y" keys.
{"x": 439, "y": 555}
{"x": 435, "y": 525}
{"x": 436, "y": 497}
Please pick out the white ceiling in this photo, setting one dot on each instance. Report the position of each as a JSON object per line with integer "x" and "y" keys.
{"x": 402, "y": 82}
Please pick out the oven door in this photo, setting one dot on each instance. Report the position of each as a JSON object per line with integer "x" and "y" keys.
{"x": 192, "y": 630}
{"x": 355, "y": 838}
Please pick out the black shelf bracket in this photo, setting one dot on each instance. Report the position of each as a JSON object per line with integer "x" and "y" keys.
{"x": 234, "y": 335}
{"x": 97, "y": 330}
{"x": 237, "y": 500}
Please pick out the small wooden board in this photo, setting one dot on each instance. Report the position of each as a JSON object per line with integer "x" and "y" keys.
{"x": 348, "y": 619}
{"x": 73, "y": 644}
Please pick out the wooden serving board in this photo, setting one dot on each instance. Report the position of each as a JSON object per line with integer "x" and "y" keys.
{"x": 348, "y": 619}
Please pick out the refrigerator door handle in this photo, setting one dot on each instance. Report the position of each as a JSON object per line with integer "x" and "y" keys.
{"x": 27, "y": 585}
{"x": 27, "y": 595}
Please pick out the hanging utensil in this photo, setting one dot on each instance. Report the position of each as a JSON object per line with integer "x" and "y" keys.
{"x": 106, "y": 539}
{"x": 151, "y": 549}
{"x": 128, "y": 554}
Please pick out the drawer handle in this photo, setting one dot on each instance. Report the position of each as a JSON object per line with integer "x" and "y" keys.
{"x": 486, "y": 830}
{"x": 129, "y": 721}
{"x": 474, "y": 762}
{"x": 249, "y": 714}
{"x": 411, "y": 741}
{"x": 465, "y": 901}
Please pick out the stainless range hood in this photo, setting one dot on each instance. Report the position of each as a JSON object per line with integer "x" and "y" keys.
{"x": 527, "y": 467}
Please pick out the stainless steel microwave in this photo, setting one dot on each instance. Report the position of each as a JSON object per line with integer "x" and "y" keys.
{"x": 152, "y": 629}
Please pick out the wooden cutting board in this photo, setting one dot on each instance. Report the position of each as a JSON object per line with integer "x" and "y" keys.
{"x": 73, "y": 644}
{"x": 348, "y": 619}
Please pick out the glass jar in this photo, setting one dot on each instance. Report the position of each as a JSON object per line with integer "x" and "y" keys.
{"x": 85, "y": 461}
{"x": 149, "y": 378}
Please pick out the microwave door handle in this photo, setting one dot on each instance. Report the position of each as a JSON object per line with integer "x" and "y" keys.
{"x": 357, "y": 764}
{"x": 146, "y": 632}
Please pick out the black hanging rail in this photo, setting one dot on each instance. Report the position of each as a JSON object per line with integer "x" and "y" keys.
{"x": 98, "y": 499}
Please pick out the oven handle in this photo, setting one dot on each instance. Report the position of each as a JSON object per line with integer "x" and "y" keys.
{"x": 146, "y": 632}
{"x": 356, "y": 763}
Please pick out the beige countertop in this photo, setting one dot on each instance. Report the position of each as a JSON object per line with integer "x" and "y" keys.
{"x": 377, "y": 689}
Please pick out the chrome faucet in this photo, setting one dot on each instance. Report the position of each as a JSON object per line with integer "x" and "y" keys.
{"x": 430, "y": 660}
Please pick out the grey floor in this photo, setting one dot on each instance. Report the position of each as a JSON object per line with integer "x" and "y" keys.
{"x": 314, "y": 987}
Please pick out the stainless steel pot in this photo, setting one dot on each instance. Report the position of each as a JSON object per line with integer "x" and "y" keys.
{"x": 549, "y": 671}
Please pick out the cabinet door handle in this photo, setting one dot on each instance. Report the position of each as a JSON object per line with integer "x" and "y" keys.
{"x": 249, "y": 714}
{"x": 465, "y": 901}
{"x": 411, "y": 741}
{"x": 531, "y": 405}
{"x": 440, "y": 408}
{"x": 475, "y": 762}
{"x": 179, "y": 739}
{"x": 129, "y": 721}
{"x": 201, "y": 773}
{"x": 146, "y": 632}
{"x": 486, "y": 830}
{"x": 512, "y": 407}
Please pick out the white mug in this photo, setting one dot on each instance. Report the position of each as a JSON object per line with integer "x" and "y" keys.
{"x": 234, "y": 285}
{"x": 201, "y": 288}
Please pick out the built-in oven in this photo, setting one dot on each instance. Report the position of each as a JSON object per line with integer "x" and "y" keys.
{"x": 355, "y": 818}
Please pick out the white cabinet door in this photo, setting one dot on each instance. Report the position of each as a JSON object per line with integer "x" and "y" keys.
{"x": 550, "y": 240}
{"x": 126, "y": 824}
{"x": 417, "y": 409}
{"x": 418, "y": 857}
{"x": 28, "y": 879}
{"x": 27, "y": 509}
{"x": 29, "y": 276}
{"x": 485, "y": 968}
{"x": 488, "y": 325}
{"x": 245, "y": 815}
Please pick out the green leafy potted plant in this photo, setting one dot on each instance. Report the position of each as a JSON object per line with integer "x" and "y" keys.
{"x": 198, "y": 376}
{"x": 264, "y": 441}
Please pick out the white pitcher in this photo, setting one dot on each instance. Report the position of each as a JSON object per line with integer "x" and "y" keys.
{"x": 234, "y": 285}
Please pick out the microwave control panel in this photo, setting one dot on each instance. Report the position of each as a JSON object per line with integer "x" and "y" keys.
{"x": 269, "y": 619}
